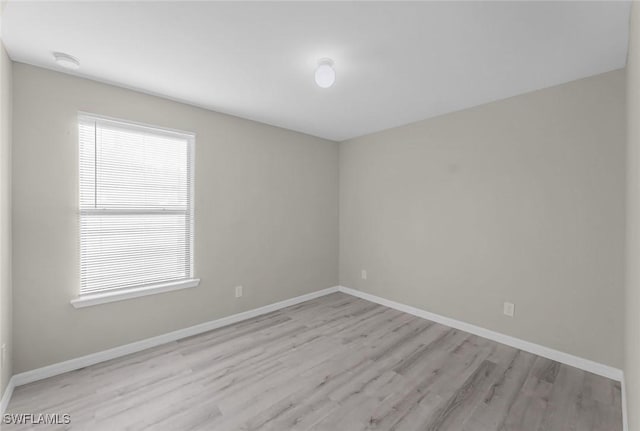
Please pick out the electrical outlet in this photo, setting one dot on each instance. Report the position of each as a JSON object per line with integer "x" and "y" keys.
{"x": 509, "y": 309}
{"x": 363, "y": 274}
{"x": 238, "y": 291}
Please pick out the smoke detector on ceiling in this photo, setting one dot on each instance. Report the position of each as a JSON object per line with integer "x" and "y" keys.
{"x": 66, "y": 61}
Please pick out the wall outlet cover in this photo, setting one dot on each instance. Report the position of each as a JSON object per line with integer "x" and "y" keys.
{"x": 509, "y": 309}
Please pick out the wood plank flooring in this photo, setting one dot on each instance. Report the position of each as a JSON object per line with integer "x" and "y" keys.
{"x": 336, "y": 363}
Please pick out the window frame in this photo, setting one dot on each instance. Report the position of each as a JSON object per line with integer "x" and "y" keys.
{"x": 128, "y": 292}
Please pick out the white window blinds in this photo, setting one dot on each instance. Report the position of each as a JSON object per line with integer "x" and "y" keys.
{"x": 136, "y": 205}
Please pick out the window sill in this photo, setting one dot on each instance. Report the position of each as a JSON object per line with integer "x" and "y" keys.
{"x": 136, "y": 292}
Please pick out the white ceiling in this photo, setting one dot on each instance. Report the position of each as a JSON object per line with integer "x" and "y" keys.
{"x": 396, "y": 62}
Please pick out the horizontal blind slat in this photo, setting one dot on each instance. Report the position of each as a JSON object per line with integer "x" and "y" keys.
{"x": 136, "y": 212}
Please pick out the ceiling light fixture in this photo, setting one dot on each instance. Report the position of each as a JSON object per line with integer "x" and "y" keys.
{"x": 325, "y": 74}
{"x": 66, "y": 61}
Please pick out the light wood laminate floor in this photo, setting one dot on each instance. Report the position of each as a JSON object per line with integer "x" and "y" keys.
{"x": 335, "y": 363}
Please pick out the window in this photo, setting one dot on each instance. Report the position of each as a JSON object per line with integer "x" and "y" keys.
{"x": 136, "y": 207}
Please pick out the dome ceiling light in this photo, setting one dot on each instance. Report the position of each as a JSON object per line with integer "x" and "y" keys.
{"x": 325, "y": 73}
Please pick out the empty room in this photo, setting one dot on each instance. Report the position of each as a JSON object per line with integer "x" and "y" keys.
{"x": 320, "y": 215}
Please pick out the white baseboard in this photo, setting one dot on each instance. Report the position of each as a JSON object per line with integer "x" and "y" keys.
{"x": 127, "y": 349}
{"x": 536, "y": 349}
{"x": 105, "y": 355}
{"x": 6, "y": 396}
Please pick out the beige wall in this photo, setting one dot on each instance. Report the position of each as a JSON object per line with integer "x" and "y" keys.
{"x": 266, "y": 217}
{"x": 5, "y": 216}
{"x": 520, "y": 200}
{"x": 632, "y": 336}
